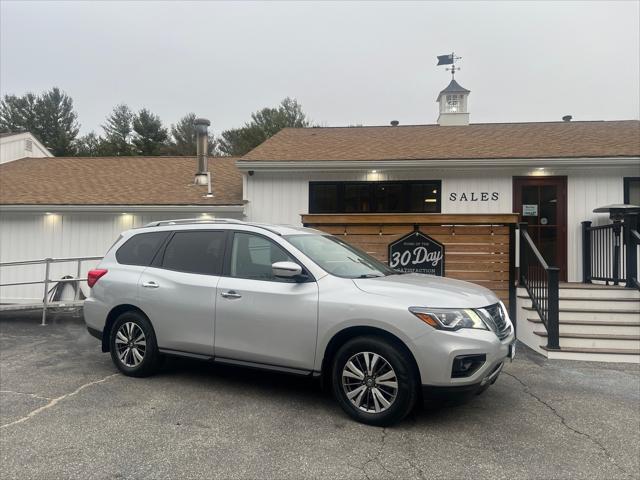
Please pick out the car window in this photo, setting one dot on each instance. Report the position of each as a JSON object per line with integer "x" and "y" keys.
{"x": 253, "y": 255}
{"x": 140, "y": 249}
{"x": 195, "y": 252}
{"x": 338, "y": 257}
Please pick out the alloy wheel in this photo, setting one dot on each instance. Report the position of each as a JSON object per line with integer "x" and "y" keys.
{"x": 369, "y": 382}
{"x": 131, "y": 344}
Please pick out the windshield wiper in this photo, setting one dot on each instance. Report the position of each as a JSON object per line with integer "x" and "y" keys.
{"x": 370, "y": 275}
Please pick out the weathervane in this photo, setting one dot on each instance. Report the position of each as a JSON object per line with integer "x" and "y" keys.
{"x": 449, "y": 60}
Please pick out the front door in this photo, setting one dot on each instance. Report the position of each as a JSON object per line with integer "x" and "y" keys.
{"x": 261, "y": 318}
{"x": 542, "y": 203}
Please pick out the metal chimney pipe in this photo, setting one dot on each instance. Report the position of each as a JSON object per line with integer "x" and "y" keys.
{"x": 202, "y": 139}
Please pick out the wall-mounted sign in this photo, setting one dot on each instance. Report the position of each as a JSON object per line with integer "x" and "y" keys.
{"x": 417, "y": 253}
{"x": 474, "y": 196}
{"x": 529, "y": 210}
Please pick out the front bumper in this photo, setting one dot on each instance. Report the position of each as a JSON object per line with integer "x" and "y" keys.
{"x": 436, "y": 350}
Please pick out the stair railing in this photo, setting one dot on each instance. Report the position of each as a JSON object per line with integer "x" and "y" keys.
{"x": 610, "y": 252}
{"x": 541, "y": 282}
{"x": 631, "y": 244}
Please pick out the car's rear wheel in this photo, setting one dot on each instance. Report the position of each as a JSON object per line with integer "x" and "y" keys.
{"x": 373, "y": 381}
{"x": 133, "y": 345}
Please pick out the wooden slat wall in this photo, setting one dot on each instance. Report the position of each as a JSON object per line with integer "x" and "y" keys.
{"x": 475, "y": 253}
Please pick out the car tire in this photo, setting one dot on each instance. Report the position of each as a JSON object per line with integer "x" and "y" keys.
{"x": 133, "y": 345}
{"x": 382, "y": 395}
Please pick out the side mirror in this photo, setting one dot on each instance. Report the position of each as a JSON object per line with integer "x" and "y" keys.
{"x": 286, "y": 269}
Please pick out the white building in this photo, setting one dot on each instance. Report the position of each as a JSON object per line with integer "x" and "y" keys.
{"x": 20, "y": 145}
{"x": 65, "y": 207}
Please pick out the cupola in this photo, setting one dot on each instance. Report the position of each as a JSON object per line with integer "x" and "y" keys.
{"x": 453, "y": 105}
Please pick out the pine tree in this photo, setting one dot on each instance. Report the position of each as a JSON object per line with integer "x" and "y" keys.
{"x": 118, "y": 131}
{"x": 56, "y": 121}
{"x": 150, "y": 137}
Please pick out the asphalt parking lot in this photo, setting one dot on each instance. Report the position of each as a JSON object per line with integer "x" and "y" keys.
{"x": 66, "y": 413}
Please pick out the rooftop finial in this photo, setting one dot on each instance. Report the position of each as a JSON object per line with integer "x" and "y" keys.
{"x": 449, "y": 60}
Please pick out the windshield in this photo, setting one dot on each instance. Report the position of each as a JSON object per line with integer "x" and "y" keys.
{"x": 339, "y": 258}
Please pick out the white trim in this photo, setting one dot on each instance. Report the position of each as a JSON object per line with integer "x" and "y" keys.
{"x": 123, "y": 208}
{"x": 329, "y": 165}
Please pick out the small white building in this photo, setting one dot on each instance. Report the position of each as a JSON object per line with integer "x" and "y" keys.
{"x": 65, "y": 207}
{"x": 14, "y": 146}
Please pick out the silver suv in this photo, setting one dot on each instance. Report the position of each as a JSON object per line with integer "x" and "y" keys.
{"x": 299, "y": 301}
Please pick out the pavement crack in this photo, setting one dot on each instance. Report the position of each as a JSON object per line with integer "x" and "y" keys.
{"x": 32, "y": 395}
{"x": 54, "y": 401}
{"x": 563, "y": 421}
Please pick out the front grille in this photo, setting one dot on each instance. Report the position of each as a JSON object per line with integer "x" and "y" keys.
{"x": 497, "y": 321}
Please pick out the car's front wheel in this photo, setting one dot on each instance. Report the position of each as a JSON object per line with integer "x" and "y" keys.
{"x": 133, "y": 345}
{"x": 373, "y": 380}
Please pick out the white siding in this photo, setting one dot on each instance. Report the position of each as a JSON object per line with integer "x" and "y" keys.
{"x": 282, "y": 197}
{"x": 15, "y": 146}
{"x": 31, "y": 236}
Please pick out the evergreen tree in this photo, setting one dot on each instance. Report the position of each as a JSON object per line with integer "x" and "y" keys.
{"x": 150, "y": 137}
{"x": 264, "y": 124}
{"x": 118, "y": 131}
{"x": 49, "y": 116}
{"x": 183, "y": 137}
{"x": 89, "y": 145}
{"x": 56, "y": 122}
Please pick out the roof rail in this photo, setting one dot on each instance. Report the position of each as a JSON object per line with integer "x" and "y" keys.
{"x": 182, "y": 221}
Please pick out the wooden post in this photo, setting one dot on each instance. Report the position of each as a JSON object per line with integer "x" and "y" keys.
{"x": 512, "y": 274}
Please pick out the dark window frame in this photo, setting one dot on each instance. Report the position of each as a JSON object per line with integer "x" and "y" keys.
{"x": 340, "y": 201}
{"x": 627, "y": 187}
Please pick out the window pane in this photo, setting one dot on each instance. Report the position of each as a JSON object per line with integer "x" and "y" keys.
{"x": 195, "y": 252}
{"x": 424, "y": 197}
{"x": 356, "y": 198}
{"x": 634, "y": 191}
{"x": 252, "y": 256}
{"x": 140, "y": 249}
{"x": 324, "y": 198}
{"x": 388, "y": 198}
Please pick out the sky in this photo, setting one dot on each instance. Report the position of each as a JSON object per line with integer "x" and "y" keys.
{"x": 347, "y": 63}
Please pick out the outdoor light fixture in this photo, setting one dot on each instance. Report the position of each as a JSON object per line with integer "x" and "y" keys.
{"x": 374, "y": 171}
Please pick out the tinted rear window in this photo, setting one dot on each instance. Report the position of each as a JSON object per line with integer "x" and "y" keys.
{"x": 195, "y": 252}
{"x": 140, "y": 249}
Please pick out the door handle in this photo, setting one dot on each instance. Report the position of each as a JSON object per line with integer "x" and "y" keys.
{"x": 150, "y": 284}
{"x": 231, "y": 294}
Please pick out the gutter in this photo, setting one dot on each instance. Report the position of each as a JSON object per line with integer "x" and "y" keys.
{"x": 325, "y": 165}
{"x": 123, "y": 208}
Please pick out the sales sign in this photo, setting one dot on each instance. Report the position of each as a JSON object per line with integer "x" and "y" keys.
{"x": 417, "y": 253}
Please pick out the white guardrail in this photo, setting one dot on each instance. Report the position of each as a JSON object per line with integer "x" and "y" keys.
{"x": 48, "y": 282}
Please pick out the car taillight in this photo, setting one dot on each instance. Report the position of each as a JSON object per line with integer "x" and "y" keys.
{"x": 94, "y": 275}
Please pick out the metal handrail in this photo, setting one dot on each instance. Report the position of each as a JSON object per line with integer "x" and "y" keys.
{"x": 47, "y": 280}
{"x": 541, "y": 282}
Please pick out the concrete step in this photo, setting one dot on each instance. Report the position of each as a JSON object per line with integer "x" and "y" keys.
{"x": 622, "y": 355}
{"x": 590, "y": 340}
{"x": 594, "y": 327}
{"x": 586, "y": 303}
{"x": 595, "y": 314}
{"x": 580, "y": 290}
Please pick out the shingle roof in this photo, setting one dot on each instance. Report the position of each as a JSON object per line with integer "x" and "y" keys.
{"x": 117, "y": 181}
{"x": 474, "y": 141}
{"x": 9, "y": 134}
{"x": 453, "y": 87}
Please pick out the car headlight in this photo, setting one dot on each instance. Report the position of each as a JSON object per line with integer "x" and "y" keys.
{"x": 449, "y": 319}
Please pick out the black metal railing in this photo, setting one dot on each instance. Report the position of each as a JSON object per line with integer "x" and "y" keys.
{"x": 542, "y": 284}
{"x": 610, "y": 252}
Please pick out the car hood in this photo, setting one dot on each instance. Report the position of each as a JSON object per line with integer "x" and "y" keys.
{"x": 416, "y": 289}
